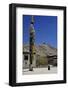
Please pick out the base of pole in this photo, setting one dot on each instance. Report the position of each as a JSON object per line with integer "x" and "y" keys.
{"x": 48, "y": 67}
{"x": 30, "y": 68}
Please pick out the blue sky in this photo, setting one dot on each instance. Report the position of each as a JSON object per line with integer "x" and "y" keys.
{"x": 45, "y": 29}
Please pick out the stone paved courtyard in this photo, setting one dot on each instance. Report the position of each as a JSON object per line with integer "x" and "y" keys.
{"x": 40, "y": 71}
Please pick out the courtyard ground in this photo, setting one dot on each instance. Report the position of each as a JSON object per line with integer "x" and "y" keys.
{"x": 40, "y": 71}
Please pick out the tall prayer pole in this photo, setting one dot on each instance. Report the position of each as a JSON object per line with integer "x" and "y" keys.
{"x": 32, "y": 43}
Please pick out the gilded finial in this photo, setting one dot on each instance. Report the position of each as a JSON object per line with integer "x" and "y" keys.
{"x": 32, "y": 19}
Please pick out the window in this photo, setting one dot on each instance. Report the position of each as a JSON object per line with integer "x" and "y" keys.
{"x": 25, "y": 62}
{"x": 25, "y": 57}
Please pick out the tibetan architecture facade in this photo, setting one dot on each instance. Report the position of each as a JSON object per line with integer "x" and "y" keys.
{"x": 44, "y": 55}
